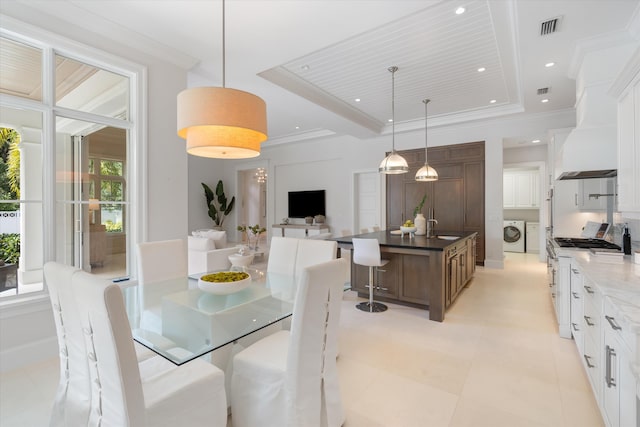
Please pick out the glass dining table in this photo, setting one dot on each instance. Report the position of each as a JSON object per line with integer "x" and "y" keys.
{"x": 181, "y": 322}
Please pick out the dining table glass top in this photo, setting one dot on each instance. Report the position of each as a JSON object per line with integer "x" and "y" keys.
{"x": 181, "y": 322}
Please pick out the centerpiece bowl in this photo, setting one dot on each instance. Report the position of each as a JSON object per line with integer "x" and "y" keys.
{"x": 224, "y": 282}
{"x": 407, "y": 230}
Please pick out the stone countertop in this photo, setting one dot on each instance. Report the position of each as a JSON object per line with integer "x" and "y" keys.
{"x": 386, "y": 238}
{"x": 619, "y": 282}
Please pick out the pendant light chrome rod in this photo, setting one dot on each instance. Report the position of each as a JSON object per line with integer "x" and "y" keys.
{"x": 393, "y": 107}
{"x": 425, "y": 101}
{"x": 224, "y": 63}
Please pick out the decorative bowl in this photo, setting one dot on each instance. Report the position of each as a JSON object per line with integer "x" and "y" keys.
{"x": 222, "y": 287}
{"x": 406, "y": 230}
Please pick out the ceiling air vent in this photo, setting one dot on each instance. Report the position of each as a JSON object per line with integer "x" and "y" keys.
{"x": 549, "y": 26}
{"x": 543, "y": 90}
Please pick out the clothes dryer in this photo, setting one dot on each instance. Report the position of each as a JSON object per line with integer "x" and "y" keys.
{"x": 513, "y": 235}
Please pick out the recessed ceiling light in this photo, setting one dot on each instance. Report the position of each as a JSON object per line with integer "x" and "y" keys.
{"x": 481, "y": 69}
{"x": 460, "y": 10}
{"x": 544, "y": 101}
{"x": 305, "y": 67}
{"x": 297, "y": 127}
{"x": 357, "y": 99}
{"x": 535, "y": 141}
{"x": 493, "y": 101}
{"x": 549, "y": 64}
{"x": 390, "y": 120}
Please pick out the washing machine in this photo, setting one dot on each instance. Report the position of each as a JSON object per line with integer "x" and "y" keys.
{"x": 513, "y": 235}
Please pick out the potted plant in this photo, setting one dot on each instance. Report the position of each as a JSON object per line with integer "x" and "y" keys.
{"x": 420, "y": 221}
{"x": 253, "y": 233}
{"x": 217, "y": 206}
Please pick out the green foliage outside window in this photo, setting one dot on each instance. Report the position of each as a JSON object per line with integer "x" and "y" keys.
{"x": 9, "y": 168}
{"x": 10, "y": 248}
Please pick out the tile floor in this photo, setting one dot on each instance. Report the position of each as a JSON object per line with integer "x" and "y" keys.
{"x": 496, "y": 361}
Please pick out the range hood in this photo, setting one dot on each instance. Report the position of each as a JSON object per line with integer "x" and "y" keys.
{"x": 589, "y": 152}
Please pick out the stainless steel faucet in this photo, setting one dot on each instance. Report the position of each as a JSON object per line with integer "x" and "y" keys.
{"x": 430, "y": 225}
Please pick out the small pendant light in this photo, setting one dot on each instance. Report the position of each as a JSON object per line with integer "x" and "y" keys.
{"x": 394, "y": 163}
{"x": 426, "y": 172}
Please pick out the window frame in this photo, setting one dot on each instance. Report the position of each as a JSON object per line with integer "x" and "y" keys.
{"x": 51, "y": 45}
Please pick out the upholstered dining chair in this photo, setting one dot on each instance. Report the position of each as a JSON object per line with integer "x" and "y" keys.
{"x": 152, "y": 393}
{"x": 367, "y": 252}
{"x": 290, "y": 378}
{"x": 282, "y": 255}
{"x": 158, "y": 262}
{"x": 71, "y": 403}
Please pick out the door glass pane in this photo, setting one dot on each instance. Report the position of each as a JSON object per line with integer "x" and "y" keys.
{"x": 91, "y": 196}
{"x": 21, "y": 217}
{"x": 20, "y": 70}
{"x": 90, "y": 89}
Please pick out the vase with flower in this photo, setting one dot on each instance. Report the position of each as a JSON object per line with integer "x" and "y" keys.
{"x": 252, "y": 233}
{"x": 420, "y": 221}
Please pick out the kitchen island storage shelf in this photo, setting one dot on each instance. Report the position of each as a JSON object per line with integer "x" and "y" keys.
{"x": 422, "y": 272}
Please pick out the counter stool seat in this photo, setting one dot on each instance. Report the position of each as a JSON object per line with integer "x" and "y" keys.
{"x": 367, "y": 252}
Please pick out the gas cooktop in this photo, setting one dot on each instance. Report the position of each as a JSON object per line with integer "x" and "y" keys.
{"x": 583, "y": 243}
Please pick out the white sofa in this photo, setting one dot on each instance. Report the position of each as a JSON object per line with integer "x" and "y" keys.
{"x": 208, "y": 250}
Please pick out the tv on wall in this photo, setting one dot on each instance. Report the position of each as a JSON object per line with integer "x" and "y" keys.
{"x": 306, "y": 203}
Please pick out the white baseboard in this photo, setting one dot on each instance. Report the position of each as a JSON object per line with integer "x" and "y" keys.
{"x": 24, "y": 355}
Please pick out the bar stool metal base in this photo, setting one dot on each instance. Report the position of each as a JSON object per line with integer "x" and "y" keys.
{"x": 371, "y": 307}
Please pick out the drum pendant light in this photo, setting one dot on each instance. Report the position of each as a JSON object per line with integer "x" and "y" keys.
{"x": 394, "y": 163}
{"x": 426, "y": 172}
{"x": 219, "y": 122}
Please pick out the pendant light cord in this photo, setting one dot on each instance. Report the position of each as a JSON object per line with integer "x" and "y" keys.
{"x": 393, "y": 108}
{"x": 224, "y": 65}
{"x": 426, "y": 101}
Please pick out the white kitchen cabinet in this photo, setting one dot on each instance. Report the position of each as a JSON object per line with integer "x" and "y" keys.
{"x": 521, "y": 189}
{"x": 532, "y": 237}
{"x": 619, "y": 390}
{"x": 627, "y": 87}
{"x": 577, "y": 310}
{"x": 563, "y": 296}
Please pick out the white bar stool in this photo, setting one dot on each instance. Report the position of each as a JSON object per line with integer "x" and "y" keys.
{"x": 367, "y": 252}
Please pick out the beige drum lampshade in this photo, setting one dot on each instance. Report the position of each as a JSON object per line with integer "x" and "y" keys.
{"x": 222, "y": 123}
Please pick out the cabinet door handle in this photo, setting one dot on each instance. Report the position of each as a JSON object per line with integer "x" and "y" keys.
{"x": 575, "y": 271}
{"x": 587, "y": 319}
{"x": 575, "y": 295}
{"x": 575, "y": 327}
{"x": 587, "y": 359}
{"x": 588, "y": 289}
{"x": 610, "y": 354}
{"x": 613, "y": 323}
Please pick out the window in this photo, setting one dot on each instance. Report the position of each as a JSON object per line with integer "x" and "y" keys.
{"x": 64, "y": 189}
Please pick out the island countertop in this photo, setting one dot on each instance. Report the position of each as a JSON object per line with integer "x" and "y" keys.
{"x": 385, "y": 238}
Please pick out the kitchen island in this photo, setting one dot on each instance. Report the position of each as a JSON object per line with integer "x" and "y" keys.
{"x": 422, "y": 272}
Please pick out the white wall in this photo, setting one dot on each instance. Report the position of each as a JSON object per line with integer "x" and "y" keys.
{"x": 329, "y": 163}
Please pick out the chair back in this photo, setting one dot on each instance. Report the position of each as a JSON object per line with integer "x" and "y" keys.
{"x": 312, "y": 381}
{"x": 72, "y": 401}
{"x": 161, "y": 260}
{"x": 116, "y": 390}
{"x": 312, "y": 252}
{"x": 282, "y": 255}
{"x": 366, "y": 252}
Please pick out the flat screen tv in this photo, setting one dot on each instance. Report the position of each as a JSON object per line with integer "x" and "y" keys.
{"x": 306, "y": 203}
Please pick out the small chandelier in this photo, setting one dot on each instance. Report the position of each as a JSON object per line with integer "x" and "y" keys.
{"x": 219, "y": 122}
{"x": 394, "y": 163}
{"x": 426, "y": 172}
{"x": 261, "y": 175}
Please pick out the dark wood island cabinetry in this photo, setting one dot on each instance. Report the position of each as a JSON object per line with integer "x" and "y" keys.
{"x": 422, "y": 272}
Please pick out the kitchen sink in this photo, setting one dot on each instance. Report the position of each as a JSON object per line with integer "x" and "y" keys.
{"x": 448, "y": 237}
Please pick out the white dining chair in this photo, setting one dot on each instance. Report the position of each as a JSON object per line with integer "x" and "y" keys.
{"x": 282, "y": 255}
{"x": 159, "y": 261}
{"x": 367, "y": 252}
{"x": 312, "y": 252}
{"x": 71, "y": 404}
{"x": 72, "y": 400}
{"x": 153, "y": 393}
{"x": 290, "y": 378}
